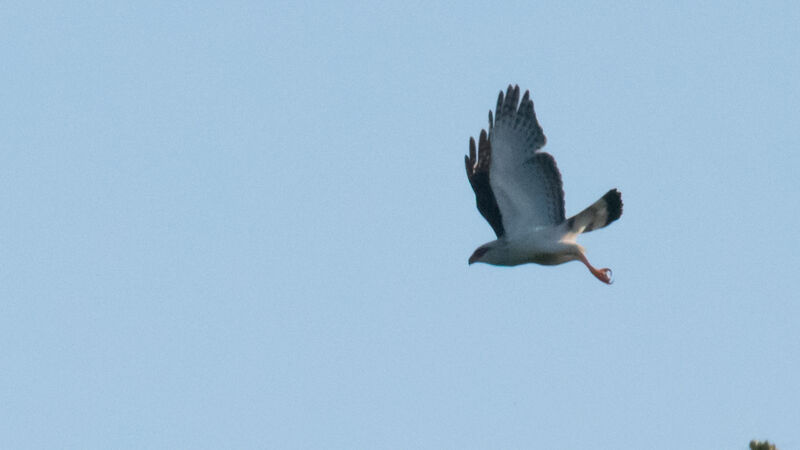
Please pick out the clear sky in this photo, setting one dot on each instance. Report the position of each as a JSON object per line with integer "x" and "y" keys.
{"x": 246, "y": 225}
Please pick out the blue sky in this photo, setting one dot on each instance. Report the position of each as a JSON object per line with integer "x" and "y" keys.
{"x": 246, "y": 225}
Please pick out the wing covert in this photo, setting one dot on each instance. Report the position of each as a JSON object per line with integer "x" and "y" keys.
{"x": 526, "y": 183}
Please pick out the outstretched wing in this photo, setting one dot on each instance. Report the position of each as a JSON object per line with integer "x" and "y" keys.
{"x": 525, "y": 182}
{"x": 478, "y": 174}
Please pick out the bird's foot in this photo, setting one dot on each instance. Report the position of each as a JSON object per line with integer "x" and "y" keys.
{"x": 605, "y": 275}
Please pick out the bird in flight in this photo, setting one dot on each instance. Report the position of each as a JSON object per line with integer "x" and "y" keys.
{"x": 518, "y": 190}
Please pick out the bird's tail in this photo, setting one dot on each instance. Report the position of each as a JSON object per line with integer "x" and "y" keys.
{"x": 598, "y": 215}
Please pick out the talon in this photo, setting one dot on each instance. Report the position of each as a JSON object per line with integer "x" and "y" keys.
{"x": 609, "y": 275}
{"x": 605, "y": 275}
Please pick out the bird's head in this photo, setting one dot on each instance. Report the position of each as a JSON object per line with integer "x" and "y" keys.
{"x": 478, "y": 253}
{"x": 486, "y": 253}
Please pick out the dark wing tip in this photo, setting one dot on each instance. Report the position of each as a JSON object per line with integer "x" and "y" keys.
{"x": 472, "y": 148}
{"x": 478, "y": 164}
{"x": 613, "y": 199}
{"x": 469, "y": 160}
{"x": 499, "y": 106}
